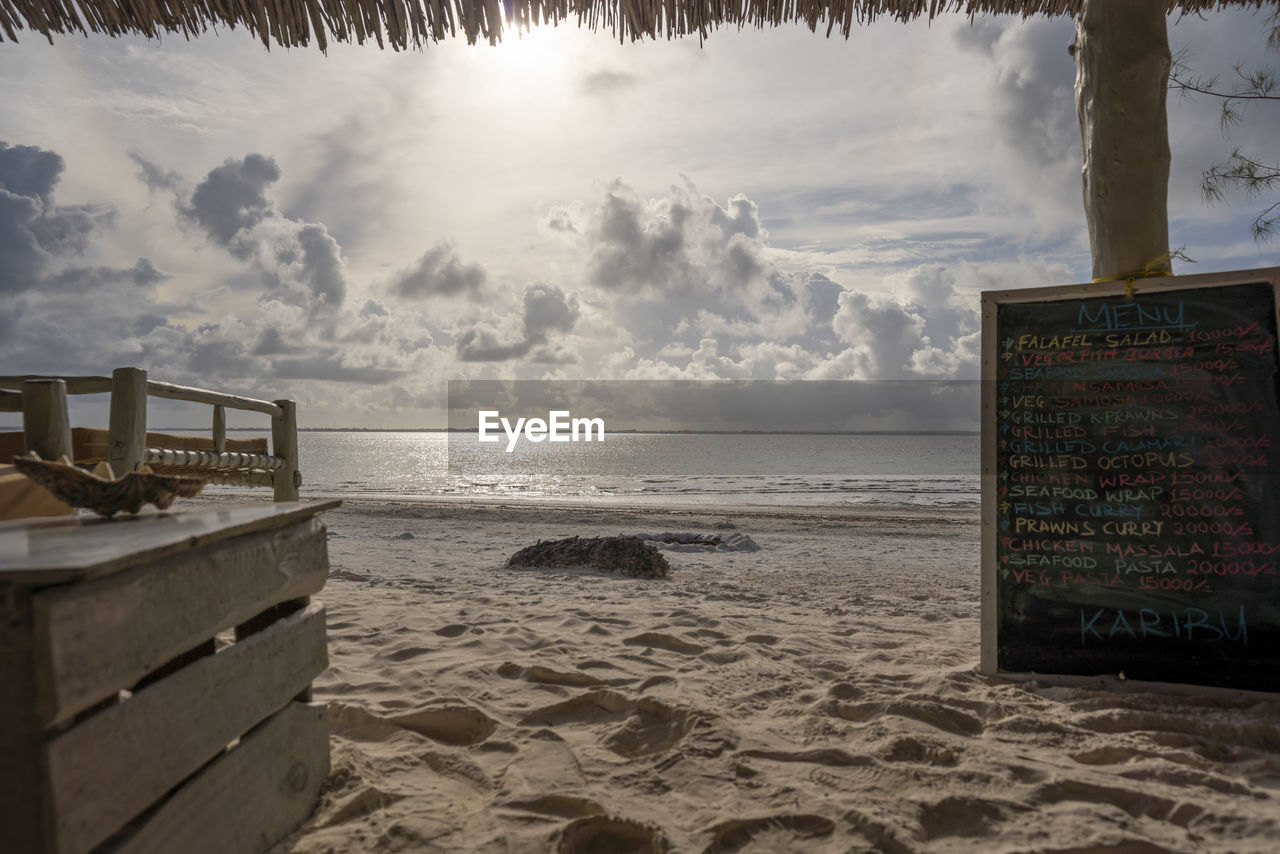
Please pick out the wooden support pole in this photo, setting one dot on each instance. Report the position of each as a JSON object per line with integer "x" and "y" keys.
{"x": 284, "y": 443}
{"x": 45, "y": 423}
{"x": 1122, "y": 78}
{"x": 219, "y": 429}
{"x": 127, "y": 430}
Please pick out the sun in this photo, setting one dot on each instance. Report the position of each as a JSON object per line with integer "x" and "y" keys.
{"x": 531, "y": 77}
{"x": 543, "y": 49}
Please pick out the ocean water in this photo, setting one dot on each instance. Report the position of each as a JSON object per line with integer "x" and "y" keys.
{"x": 754, "y": 469}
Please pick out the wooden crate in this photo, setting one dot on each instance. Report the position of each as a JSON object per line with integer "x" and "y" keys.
{"x": 155, "y": 680}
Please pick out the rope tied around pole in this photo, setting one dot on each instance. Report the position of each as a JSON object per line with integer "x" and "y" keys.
{"x": 1151, "y": 270}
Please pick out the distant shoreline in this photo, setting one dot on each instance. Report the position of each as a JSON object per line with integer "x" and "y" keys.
{"x": 613, "y": 432}
{"x": 616, "y": 432}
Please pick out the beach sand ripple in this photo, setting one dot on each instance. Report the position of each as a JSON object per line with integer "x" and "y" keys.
{"x": 817, "y": 695}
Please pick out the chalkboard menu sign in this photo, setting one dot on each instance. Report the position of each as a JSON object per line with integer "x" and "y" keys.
{"x": 1130, "y": 505}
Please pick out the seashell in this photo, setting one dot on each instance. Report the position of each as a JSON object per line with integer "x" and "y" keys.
{"x": 107, "y": 496}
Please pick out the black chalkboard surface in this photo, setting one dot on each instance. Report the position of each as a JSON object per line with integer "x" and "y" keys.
{"x": 1131, "y": 515}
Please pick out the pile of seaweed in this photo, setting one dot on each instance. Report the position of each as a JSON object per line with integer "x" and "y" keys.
{"x": 624, "y": 555}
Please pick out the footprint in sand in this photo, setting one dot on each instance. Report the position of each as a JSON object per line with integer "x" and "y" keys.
{"x": 563, "y": 806}
{"x": 1133, "y": 801}
{"x": 602, "y": 833}
{"x": 959, "y": 816}
{"x": 591, "y": 707}
{"x": 659, "y": 640}
{"x": 452, "y": 631}
{"x": 845, "y": 691}
{"x": 458, "y": 768}
{"x": 449, "y": 724}
{"x": 911, "y": 749}
{"x": 780, "y": 831}
{"x": 366, "y": 801}
{"x": 652, "y": 727}
{"x": 540, "y": 675}
{"x": 943, "y": 717}
{"x": 649, "y": 726}
{"x": 833, "y": 756}
{"x": 407, "y": 653}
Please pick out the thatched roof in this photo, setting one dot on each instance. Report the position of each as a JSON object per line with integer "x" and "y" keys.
{"x": 404, "y": 23}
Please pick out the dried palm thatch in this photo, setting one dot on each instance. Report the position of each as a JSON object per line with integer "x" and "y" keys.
{"x": 405, "y": 23}
{"x": 623, "y": 555}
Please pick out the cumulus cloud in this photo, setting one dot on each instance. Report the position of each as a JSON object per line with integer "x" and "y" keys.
{"x": 232, "y": 197}
{"x": 1033, "y": 109}
{"x": 300, "y": 262}
{"x": 153, "y": 175}
{"x": 926, "y": 328}
{"x": 544, "y": 309}
{"x": 85, "y": 279}
{"x": 35, "y": 232}
{"x": 26, "y": 170}
{"x": 329, "y": 366}
{"x": 693, "y": 290}
{"x": 676, "y": 286}
{"x": 296, "y": 335}
{"x": 561, "y": 220}
{"x": 679, "y": 241}
{"x": 547, "y": 309}
{"x": 438, "y": 272}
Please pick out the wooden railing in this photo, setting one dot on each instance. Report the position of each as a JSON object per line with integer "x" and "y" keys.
{"x": 42, "y": 400}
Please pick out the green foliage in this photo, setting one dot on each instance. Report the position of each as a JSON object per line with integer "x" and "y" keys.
{"x": 1255, "y": 177}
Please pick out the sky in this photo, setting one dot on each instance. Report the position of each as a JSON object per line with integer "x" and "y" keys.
{"x": 353, "y": 230}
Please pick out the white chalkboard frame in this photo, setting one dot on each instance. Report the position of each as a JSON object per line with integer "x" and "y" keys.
{"x": 991, "y": 300}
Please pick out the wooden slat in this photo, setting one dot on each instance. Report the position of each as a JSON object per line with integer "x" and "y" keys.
{"x": 1118, "y": 289}
{"x": 57, "y": 551}
{"x": 248, "y": 799}
{"x": 102, "y": 637}
{"x": 110, "y": 768}
{"x": 22, "y": 811}
{"x": 988, "y": 578}
{"x": 216, "y": 398}
{"x": 75, "y": 385}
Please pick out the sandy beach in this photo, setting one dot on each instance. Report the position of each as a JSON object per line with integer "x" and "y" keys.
{"x": 820, "y": 694}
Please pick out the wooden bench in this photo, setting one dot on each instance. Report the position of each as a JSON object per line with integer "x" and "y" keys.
{"x": 127, "y": 445}
{"x": 156, "y": 679}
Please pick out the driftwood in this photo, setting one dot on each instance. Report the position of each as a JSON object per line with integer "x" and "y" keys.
{"x": 624, "y": 555}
